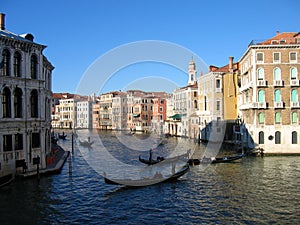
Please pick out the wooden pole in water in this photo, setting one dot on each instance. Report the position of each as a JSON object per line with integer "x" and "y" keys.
{"x": 72, "y": 142}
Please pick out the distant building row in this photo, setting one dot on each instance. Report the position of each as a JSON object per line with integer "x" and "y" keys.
{"x": 260, "y": 92}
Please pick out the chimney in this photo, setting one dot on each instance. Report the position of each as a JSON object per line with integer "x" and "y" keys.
{"x": 230, "y": 65}
{"x": 2, "y": 21}
{"x": 277, "y": 32}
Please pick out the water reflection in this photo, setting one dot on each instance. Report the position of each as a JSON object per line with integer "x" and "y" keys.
{"x": 254, "y": 191}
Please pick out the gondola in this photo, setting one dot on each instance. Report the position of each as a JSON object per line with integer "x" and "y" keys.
{"x": 148, "y": 181}
{"x": 86, "y": 143}
{"x": 151, "y": 162}
{"x": 224, "y": 159}
{"x": 160, "y": 159}
{"x": 62, "y": 136}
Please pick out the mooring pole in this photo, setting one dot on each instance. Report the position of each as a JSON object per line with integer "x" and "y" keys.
{"x": 72, "y": 141}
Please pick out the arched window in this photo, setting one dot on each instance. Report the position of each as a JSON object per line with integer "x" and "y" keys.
{"x": 6, "y": 103}
{"x": 5, "y": 64}
{"x": 17, "y": 64}
{"x": 277, "y": 137}
{"x": 34, "y": 67}
{"x": 261, "y": 96}
{"x": 294, "y": 73}
{"x": 260, "y": 74}
{"x": 294, "y": 117}
{"x": 294, "y": 137}
{"x": 261, "y": 117}
{"x": 277, "y": 117}
{"x": 277, "y": 96}
{"x": 294, "y": 95}
{"x": 18, "y": 103}
{"x": 34, "y": 103}
{"x": 277, "y": 74}
{"x": 261, "y": 137}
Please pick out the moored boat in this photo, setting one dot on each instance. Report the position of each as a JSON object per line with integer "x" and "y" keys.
{"x": 224, "y": 159}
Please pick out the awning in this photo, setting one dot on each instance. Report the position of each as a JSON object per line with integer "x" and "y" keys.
{"x": 136, "y": 115}
{"x": 176, "y": 116}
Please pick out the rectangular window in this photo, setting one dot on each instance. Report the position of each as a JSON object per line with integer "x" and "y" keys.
{"x": 218, "y": 105}
{"x": 276, "y": 57}
{"x": 259, "y": 57}
{"x": 261, "y": 118}
{"x": 7, "y": 143}
{"x": 218, "y": 83}
{"x": 277, "y": 118}
{"x": 18, "y": 141}
{"x": 293, "y": 57}
{"x": 35, "y": 140}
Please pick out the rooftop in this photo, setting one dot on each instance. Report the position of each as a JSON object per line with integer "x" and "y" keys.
{"x": 279, "y": 39}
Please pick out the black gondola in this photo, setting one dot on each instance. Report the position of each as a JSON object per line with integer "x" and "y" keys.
{"x": 151, "y": 162}
{"x": 184, "y": 156}
{"x": 148, "y": 181}
{"x": 62, "y": 136}
{"x": 86, "y": 143}
{"x": 224, "y": 159}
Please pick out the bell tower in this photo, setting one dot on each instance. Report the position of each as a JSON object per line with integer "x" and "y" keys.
{"x": 192, "y": 73}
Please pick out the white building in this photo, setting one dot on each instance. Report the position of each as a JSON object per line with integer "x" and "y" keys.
{"x": 25, "y": 104}
{"x": 66, "y": 110}
{"x": 119, "y": 111}
{"x": 185, "y": 102}
{"x": 84, "y": 115}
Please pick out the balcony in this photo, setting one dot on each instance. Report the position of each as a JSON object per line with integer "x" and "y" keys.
{"x": 295, "y": 104}
{"x": 245, "y": 106}
{"x": 253, "y": 105}
{"x": 246, "y": 86}
{"x": 278, "y": 105}
{"x": 278, "y": 83}
{"x": 294, "y": 82}
{"x": 261, "y": 83}
{"x": 259, "y": 105}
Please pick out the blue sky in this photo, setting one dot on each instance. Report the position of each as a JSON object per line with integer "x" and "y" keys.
{"x": 78, "y": 33}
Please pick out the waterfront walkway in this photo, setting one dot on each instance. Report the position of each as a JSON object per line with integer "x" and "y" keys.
{"x": 54, "y": 161}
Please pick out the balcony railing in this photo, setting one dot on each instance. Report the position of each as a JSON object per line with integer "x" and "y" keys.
{"x": 246, "y": 86}
{"x": 278, "y": 83}
{"x": 278, "y": 104}
{"x": 295, "y": 104}
{"x": 259, "y": 105}
{"x": 294, "y": 82}
{"x": 253, "y": 105}
{"x": 261, "y": 83}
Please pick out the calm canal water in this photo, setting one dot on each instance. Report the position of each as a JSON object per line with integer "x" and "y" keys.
{"x": 253, "y": 191}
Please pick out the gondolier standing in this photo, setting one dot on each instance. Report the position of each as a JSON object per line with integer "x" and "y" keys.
{"x": 150, "y": 157}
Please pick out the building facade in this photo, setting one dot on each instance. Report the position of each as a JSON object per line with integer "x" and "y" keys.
{"x": 84, "y": 114}
{"x": 269, "y": 93}
{"x": 119, "y": 112}
{"x": 25, "y": 108}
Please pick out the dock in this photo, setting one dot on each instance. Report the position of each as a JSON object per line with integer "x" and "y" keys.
{"x": 53, "y": 168}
